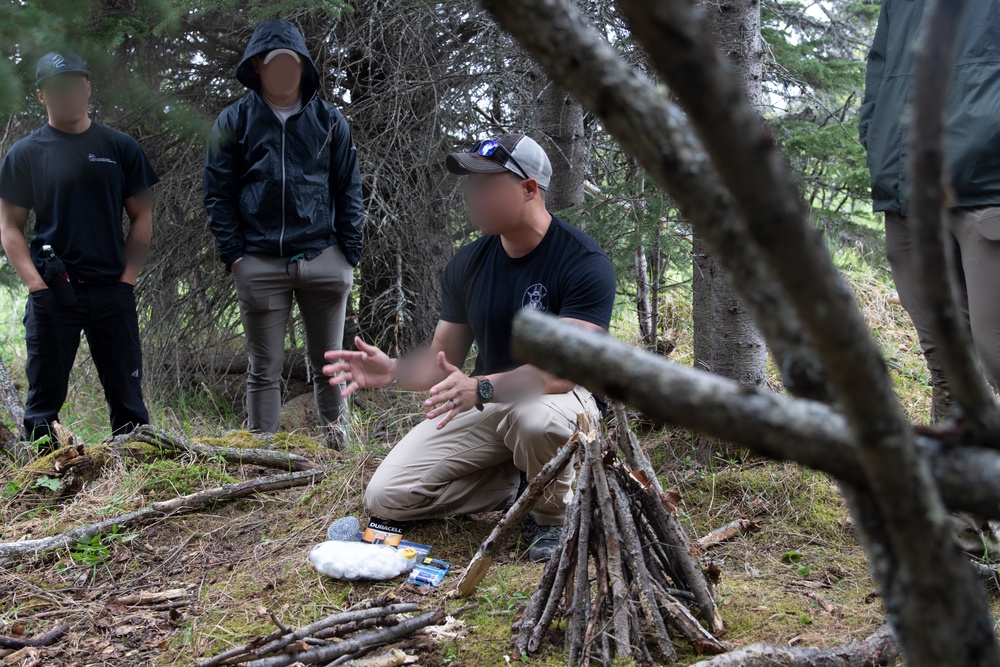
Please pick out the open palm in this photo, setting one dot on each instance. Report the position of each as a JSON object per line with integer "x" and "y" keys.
{"x": 368, "y": 367}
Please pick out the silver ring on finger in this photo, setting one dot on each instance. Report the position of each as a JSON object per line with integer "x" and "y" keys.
{"x": 452, "y": 401}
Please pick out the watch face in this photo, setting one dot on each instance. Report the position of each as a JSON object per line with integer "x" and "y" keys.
{"x": 485, "y": 390}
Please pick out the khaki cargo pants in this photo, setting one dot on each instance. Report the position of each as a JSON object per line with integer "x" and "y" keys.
{"x": 472, "y": 464}
{"x": 973, "y": 240}
{"x": 266, "y": 286}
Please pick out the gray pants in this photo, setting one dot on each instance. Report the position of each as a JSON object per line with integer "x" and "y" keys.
{"x": 973, "y": 240}
{"x": 265, "y": 287}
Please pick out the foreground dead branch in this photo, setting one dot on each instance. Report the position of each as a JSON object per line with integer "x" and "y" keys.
{"x": 973, "y": 401}
{"x": 183, "y": 504}
{"x": 621, "y": 525}
{"x": 770, "y": 424}
{"x": 931, "y": 595}
{"x": 337, "y": 638}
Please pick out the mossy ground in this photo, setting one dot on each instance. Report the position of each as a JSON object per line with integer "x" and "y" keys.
{"x": 801, "y": 579}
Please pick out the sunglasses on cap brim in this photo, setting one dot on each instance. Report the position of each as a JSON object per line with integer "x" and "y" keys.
{"x": 488, "y": 148}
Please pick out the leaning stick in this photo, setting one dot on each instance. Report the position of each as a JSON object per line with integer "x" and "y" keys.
{"x": 684, "y": 562}
{"x": 598, "y": 617}
{"x": 179, "y": 505}
{"x": 533, "y": 610}
{"x": 619, "y": 588}
{"x": 581, "y": 594}
{"x": 567, "y": 560}
{"x": 488, "y": 550}
{"x": 637, "y": 564}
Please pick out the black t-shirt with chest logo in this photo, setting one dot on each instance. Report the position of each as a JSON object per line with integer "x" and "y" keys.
{"x": 77, "y": 185}
{"x": 567, "y": 275}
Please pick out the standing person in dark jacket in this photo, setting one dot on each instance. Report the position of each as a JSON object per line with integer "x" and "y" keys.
{"x": 78, "y": 176}
{"x": 283, "y": 193}
{"x": 973, "y": 160}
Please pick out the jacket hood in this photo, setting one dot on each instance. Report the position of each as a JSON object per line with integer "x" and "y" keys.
{"x": 272, "y": 35}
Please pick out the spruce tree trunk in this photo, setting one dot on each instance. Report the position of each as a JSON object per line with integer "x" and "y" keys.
{"x": 558, "y": 127}
{"x": 11, "y": 413}
{"x": 726, "y": 341}
{"x": 408, "y": 197}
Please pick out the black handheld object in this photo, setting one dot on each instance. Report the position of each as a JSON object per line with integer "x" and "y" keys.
{"x": 56, "y": 277}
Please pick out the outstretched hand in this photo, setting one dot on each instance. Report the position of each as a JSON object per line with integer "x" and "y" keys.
{"x": 453, "y": 395}
{"x": 368, "y": 367}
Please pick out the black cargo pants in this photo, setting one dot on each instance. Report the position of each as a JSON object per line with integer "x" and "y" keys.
{"x": 106, "y": 314}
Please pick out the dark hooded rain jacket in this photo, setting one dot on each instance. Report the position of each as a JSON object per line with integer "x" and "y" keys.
{"x": 276, "y": 188}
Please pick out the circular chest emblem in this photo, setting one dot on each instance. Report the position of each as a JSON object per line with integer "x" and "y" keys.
{"x": 536, "y": 297}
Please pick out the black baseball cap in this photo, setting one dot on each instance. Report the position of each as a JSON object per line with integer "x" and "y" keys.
{"x": 56, "y": 62}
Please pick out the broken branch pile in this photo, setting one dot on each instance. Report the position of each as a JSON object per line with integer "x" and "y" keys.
{"x": 622, "y": 568}
{"x": 336, "y": 639}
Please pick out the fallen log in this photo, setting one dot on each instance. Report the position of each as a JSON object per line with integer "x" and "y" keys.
{"x": 180, "y": 505}
{"x": 268, "y": 458}
{"x": 195, "y": 363}
{"x": 879, "y": 649}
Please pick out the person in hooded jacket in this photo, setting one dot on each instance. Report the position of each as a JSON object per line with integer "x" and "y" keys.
{"x": 972, "y": 145}
{"x": 283, "y": 194}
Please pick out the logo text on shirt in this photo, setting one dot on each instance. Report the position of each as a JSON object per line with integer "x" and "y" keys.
{"x": 94, "y": 158}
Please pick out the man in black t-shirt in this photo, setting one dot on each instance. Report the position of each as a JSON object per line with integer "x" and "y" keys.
{"x": 484, "y": 430}
{"x": 80, "y": 269}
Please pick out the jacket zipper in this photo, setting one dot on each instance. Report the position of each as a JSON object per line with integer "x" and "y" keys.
{"x": 281, "y": 237}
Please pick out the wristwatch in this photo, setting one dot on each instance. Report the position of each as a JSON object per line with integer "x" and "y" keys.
{"x": 485, "y": 392}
